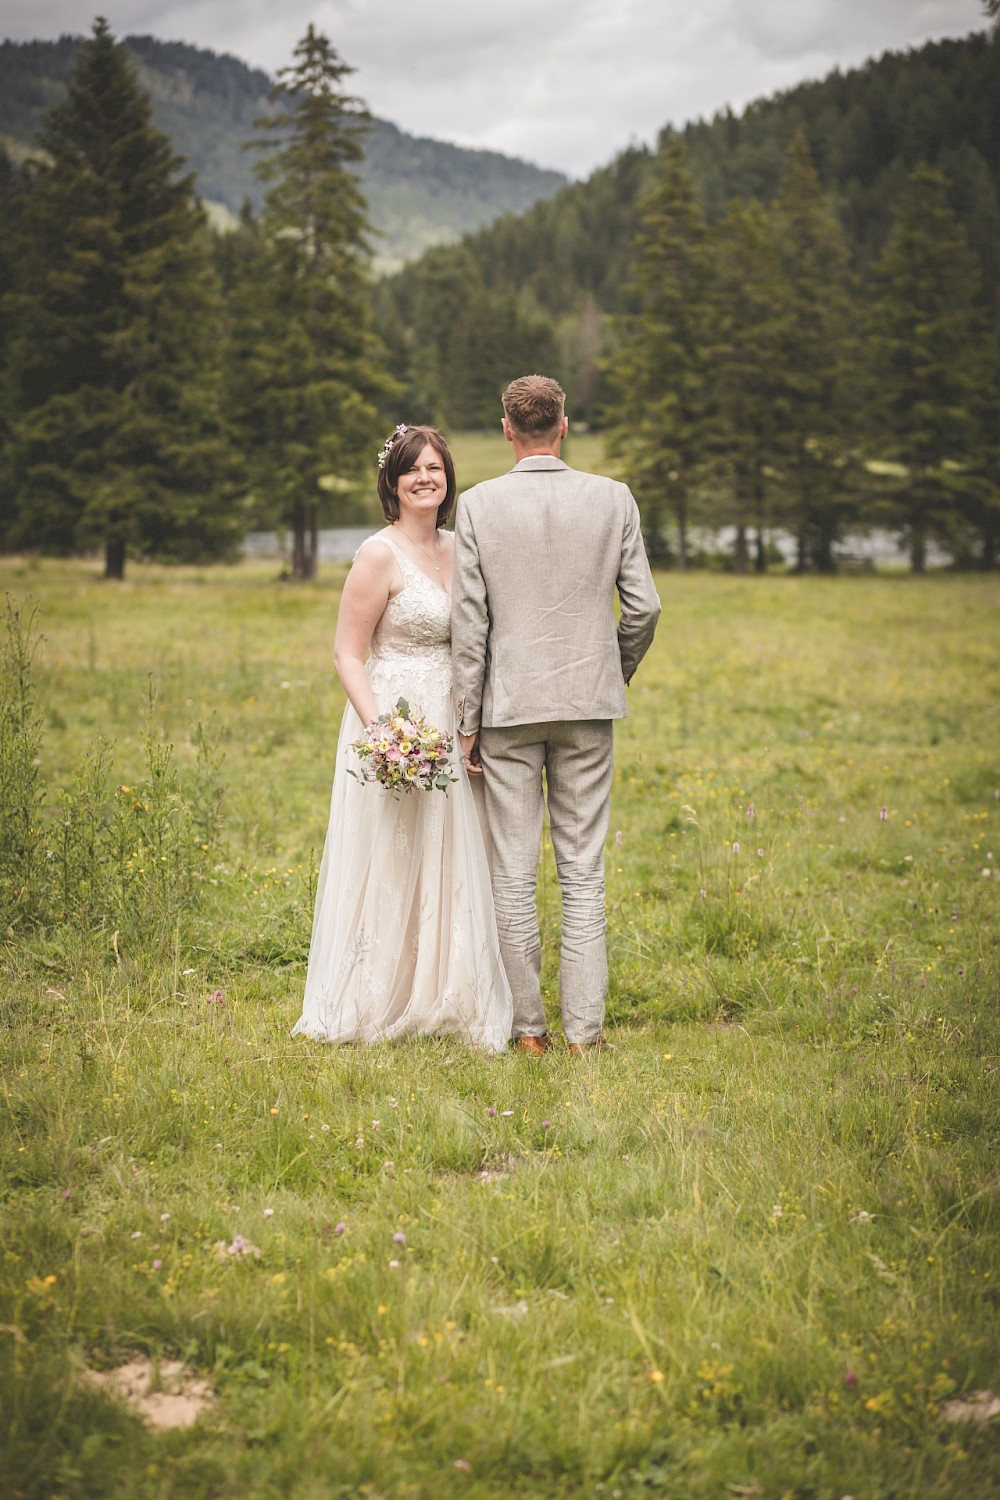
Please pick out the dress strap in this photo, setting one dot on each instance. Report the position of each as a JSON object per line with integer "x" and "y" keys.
{"x": 397, "y": 552}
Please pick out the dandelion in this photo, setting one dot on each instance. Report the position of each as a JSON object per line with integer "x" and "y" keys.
{"x": 274, "y": 1109}
{"x": 269, "y": 1213}
{"x": 657, "y": 1377}
{"x": 399, "y": 1238}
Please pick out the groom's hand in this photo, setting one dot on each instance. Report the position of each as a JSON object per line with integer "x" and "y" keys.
{"x": 469, "y": 744}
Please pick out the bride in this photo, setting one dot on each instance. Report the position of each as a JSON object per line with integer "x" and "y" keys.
{"x": 404, "y": 937}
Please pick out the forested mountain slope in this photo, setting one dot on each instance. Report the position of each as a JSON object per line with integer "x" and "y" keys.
{"x": 538, "y": 288}
{"x": 421, "y": 192}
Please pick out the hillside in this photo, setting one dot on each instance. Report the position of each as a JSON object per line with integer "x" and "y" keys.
{"x": 421, "y": 192}
{"x": 539, "y": 289}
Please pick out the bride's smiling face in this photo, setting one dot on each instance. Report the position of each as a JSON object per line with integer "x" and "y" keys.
{"x": 422, "y": 489}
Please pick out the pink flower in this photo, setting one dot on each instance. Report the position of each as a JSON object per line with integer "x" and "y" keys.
{"x": 850, "y": 1379}
{"x": 399, "y": 1238}
{"x": 157, "y": 1265}
{"x": 340, "y": 1228}
{"x": 491, "y": 1112}
{"x": 883, "y": 814}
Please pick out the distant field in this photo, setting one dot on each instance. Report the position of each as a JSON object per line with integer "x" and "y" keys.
{"x": 484, "y": 455}
{"x": 753, "y": 1252}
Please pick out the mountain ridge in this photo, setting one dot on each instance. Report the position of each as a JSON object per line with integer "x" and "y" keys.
{"x": 421, "y": 191}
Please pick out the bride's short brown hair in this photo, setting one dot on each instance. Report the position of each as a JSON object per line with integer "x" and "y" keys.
{"x": 402, "y": 449}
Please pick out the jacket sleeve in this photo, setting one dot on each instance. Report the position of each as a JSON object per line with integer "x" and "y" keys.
{"x": 469, "y": 624}
{"x": 640, "y": 604}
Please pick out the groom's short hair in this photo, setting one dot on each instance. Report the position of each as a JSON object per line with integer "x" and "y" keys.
{"x": 534, "y": 405}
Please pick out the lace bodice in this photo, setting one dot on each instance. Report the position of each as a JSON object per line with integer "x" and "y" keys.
{"x": 411, "y": 644}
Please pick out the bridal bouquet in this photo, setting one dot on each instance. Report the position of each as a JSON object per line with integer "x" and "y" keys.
{"x": 403, "y": 753}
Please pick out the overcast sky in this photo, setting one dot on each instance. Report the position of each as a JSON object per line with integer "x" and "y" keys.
{"x": 564, "y": 83}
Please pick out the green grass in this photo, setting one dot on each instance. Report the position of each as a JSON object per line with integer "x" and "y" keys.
{"x": 484, "y": 455}
{"x": 752, "y": 1252}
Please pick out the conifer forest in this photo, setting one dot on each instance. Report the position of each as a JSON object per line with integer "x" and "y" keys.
{"x": 786, "y": 319}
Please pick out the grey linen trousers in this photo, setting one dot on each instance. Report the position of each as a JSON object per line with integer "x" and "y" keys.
{"x": 578, "y": 759}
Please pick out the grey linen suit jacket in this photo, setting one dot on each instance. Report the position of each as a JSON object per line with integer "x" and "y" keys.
{"x": 539, "y": 555}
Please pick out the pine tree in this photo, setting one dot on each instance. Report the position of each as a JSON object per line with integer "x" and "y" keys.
{"x": 933, "y": 362}
{"x": 116, "y": 434}
{"x": 664, "y": 405}
{"x": 753, "y": 309}
{"x": 305, "y": 375}
{"x": 816, "y": 356}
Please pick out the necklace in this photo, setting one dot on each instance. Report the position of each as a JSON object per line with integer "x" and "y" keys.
{"x": 431, "y": 556}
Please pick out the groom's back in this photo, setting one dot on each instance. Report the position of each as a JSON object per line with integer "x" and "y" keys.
{"x": 553, "y": 545}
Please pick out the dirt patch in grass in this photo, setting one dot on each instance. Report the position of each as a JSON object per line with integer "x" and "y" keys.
{"x": 168, "y": 1397}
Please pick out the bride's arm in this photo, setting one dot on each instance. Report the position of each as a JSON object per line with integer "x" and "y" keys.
{"x": 365, "y": 596}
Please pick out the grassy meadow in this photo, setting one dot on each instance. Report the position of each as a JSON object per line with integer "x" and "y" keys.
{"x": 752, "y": 1252}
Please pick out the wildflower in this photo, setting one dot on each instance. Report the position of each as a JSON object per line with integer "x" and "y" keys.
{"x": 702, "y": 894}
{"x": 736, "y": 846}
{"x": 269, "y": 1213}
{"x": 136, "y": 1234}
{"x": 863, "y": 1216}
{"x": 393, "y": 1103}
{"x": 164, "y": 1218}
{"x": 760, "y": 854}
{"x": 618, "y": 837}
{"x": 657, "y": 1377}
{"x": 546, "y": 1124}
{"x": 340, "y": 1228}
{"x": 850, "y": 1379}
{"x": 274, "y": 1109}
{"x": 325, "y": 1129}
{"x": 463, "y": 1465}
{"x": 157, "y": 1265}
{"x": 388, "y": 1166}
{"x": 776, "y": 1211}
{"x": 64, "y": 1193}
{"x": 883, "y": 814}
{"x": 399, "y": 1238}
{"x": 751, "y": 813}
{"x": 359, "y": 1142}
{"x": 491, "y": 1112}
{"x": 394, "y": 1265}
{"x": 376, "y": 1124}
{"x": 505, "y": 1114}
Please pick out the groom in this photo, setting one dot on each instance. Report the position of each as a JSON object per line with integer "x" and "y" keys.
{"x": 540, "y": 674}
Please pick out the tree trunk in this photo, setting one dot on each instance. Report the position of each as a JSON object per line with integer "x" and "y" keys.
{"x": 114, "y": 559}
{"x": 741, "y": 552}
{"x": 918, "y": 549}
{"x": 682, "y": 535}
{"x": 988, "y": 561}
{"x": 299, "y": 573}
{"x": 760, "y": 561}
{"x": 312, "y": 556}
{"x": 802, "y": 550}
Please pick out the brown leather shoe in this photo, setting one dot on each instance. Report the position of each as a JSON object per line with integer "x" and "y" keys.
{"x": 583, "y": 1049}
{"x": 534, "y": 1046}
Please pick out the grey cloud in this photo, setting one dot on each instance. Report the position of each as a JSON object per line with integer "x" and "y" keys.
{"x": 566, "y": 84}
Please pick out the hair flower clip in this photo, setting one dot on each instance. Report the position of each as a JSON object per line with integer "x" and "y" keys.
{"x": 386, "y": 447}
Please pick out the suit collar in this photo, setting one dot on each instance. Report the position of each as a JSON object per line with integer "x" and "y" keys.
{"x": 538, "y": 461}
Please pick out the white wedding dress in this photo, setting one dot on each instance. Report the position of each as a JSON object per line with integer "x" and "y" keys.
{"x": 404, "y": 937}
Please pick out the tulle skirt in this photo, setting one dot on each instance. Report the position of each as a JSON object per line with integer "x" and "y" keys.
{"x": 404, "y": 938}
